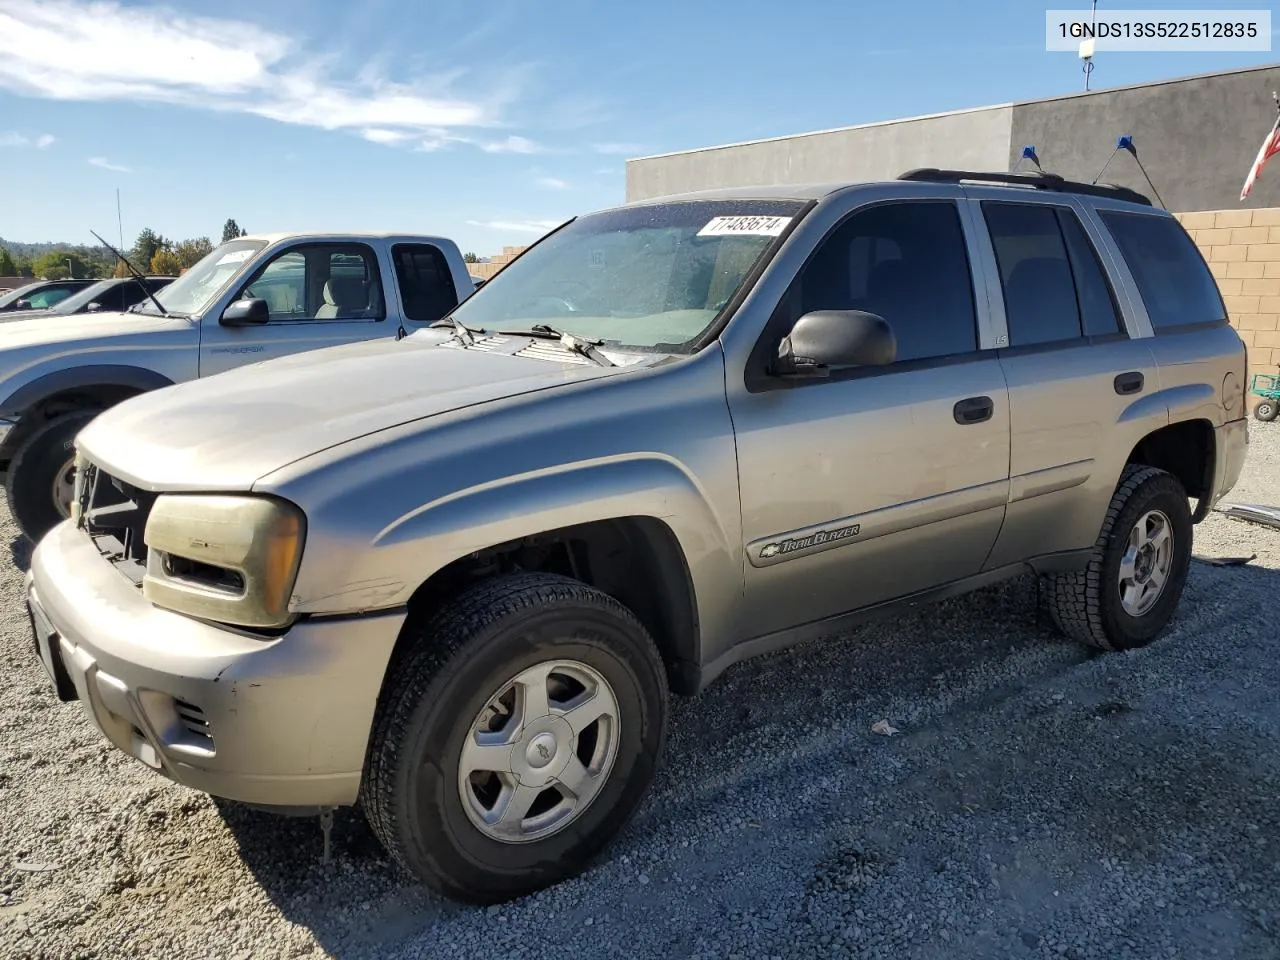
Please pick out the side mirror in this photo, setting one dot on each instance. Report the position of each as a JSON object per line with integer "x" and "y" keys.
{"x": 93, "y": 307}
{"x": 22, "y": 305}
{"x": 246, "y": 313}
{"x": 835, "y": 338}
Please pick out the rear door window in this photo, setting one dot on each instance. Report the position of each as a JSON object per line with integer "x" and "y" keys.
{"x": 1035, "y": 274}
{"x": 426, "y": 285}
{"x": 1172, "y": 277}
{"x": 1098, "y": 311}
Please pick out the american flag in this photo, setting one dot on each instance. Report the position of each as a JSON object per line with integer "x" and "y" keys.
{"x": 1270, "y": 147}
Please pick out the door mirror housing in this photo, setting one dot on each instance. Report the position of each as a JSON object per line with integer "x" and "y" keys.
{"x": 825, "y": 339}
{"x": 246, "y": 313}
{"x": 93, "y": 307}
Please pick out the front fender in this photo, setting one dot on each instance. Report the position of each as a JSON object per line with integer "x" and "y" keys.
{"x": 43, "y": 385}
{"x": 406, "y": 552}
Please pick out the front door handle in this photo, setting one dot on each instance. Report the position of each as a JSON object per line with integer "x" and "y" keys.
{"x": 1129, "y": 382}
{"x": 973, "y": 410}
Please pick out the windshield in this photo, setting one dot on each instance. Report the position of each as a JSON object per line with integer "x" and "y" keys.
{"x": 653, "y": 277}
{"x": 192, "y": 292}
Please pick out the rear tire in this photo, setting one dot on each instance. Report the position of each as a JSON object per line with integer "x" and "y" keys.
{"x": 427, "y": 796}
{"x": 1266, "y": 410}
{"x": 39, "y": 468}
{"x": 1115, "y": 603}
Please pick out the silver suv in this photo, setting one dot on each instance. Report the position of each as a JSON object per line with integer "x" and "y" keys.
{"x": 453, "y": 578}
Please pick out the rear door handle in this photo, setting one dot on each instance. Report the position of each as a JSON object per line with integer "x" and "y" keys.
{"x": 973, "y": 410}
{"x": 1129, "y": 382}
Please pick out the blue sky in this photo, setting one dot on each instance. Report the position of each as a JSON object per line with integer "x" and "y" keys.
{"x": 486, "y": 121}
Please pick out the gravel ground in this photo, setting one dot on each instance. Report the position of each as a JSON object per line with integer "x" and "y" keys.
{"x": 1040, "y": 801}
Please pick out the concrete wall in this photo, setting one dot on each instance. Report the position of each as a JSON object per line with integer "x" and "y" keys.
{"x": 973, "y": 139}
{"x": 1196, "y": 137}
{"x": 1243, "y": 250}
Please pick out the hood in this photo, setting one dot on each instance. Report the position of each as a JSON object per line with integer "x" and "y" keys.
{"x": 226, "y": 431}
{"x": 29, "y": 328}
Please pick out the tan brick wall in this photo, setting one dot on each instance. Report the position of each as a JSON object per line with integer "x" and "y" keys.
{"x": 499, "y": 260}
{"x": 1243, "y": 250}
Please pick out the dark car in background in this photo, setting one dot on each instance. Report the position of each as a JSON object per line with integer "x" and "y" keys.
{"x": 40, "y": 294}
{"x": 104, "y": 296}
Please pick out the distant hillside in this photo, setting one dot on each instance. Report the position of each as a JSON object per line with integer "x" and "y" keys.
{"x": 29, "y": 251}
{"x": 94, "y": 260}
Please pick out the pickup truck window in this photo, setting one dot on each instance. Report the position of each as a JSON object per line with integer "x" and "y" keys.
{"x": 426, "y": 286}
{"x": 192, "y": 292}
{"x": 320, "y": 281}
{"x": 1176, "y": 285}
{"x": 905, "y": 262}
{"x": 650, "y": 277}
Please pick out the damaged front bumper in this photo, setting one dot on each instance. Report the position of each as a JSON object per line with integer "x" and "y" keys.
{"x": 273, "y": 721}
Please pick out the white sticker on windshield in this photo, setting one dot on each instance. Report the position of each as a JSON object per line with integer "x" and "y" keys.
{"x": 235, "y": 256}
{"x": 744, "y": 226}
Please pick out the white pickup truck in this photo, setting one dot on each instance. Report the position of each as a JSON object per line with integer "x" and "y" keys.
{"x": 250, "y": 299}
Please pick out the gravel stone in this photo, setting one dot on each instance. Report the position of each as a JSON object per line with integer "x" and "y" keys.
{"x": 1042, "y": 800}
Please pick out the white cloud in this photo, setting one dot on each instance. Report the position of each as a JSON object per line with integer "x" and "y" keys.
{"x": 11, "y": 138}
{"x": 96, "y": 50}
{"x": 106, "y": 164}
{"x": 513, "y": 144}
{"x": 552, "y": 183}
{"x": 517, "y": 226}
{"x": 384, "y": 136}
{"x": 617, "y": 149}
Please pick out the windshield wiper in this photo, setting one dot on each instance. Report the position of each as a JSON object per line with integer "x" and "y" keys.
{"x": 582, "y": 346}
{"x": 461, "y": 330}
{"x": 136, "y": 275}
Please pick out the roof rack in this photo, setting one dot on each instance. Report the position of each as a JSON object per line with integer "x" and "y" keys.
{"x": 1041, "y": 181}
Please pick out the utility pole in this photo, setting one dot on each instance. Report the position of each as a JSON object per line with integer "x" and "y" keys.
{"x": 119, "y": 222}
{"x": 71, "y": 274}
{"x": 1086, "y": 48}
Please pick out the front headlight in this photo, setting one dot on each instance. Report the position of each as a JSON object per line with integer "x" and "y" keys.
{"x": 233, "y": 559}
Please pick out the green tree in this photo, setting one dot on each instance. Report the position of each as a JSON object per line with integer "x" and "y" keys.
{"x": 145, "y": 248}
{"x": 7, "y": 267}
{"x": 231, "y": 230}
{"x": 165, "y": 263}
{"x": 470, "y": 258}
{"x": 191, "y": 252}
{"x": 53, "y": 265}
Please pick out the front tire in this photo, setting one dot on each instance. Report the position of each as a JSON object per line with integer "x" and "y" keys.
{"x": 516, "y": 735}
{"x": 1266, "y": 410}
{"x": 1127, "y": 594}
{"x": 38, "y": 486}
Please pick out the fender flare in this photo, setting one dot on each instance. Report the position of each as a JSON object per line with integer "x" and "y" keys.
{"x": 80, "y": 377}
{"x": 421, "y": 542}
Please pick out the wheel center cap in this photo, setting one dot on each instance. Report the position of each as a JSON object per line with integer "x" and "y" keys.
{"x": 541, "y": 750}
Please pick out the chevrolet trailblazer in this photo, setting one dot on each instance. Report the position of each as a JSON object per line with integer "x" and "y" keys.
{"x": 453, "y": 578}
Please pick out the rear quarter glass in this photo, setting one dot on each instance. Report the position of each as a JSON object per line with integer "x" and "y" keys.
{"x": 1171, "y": 275}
